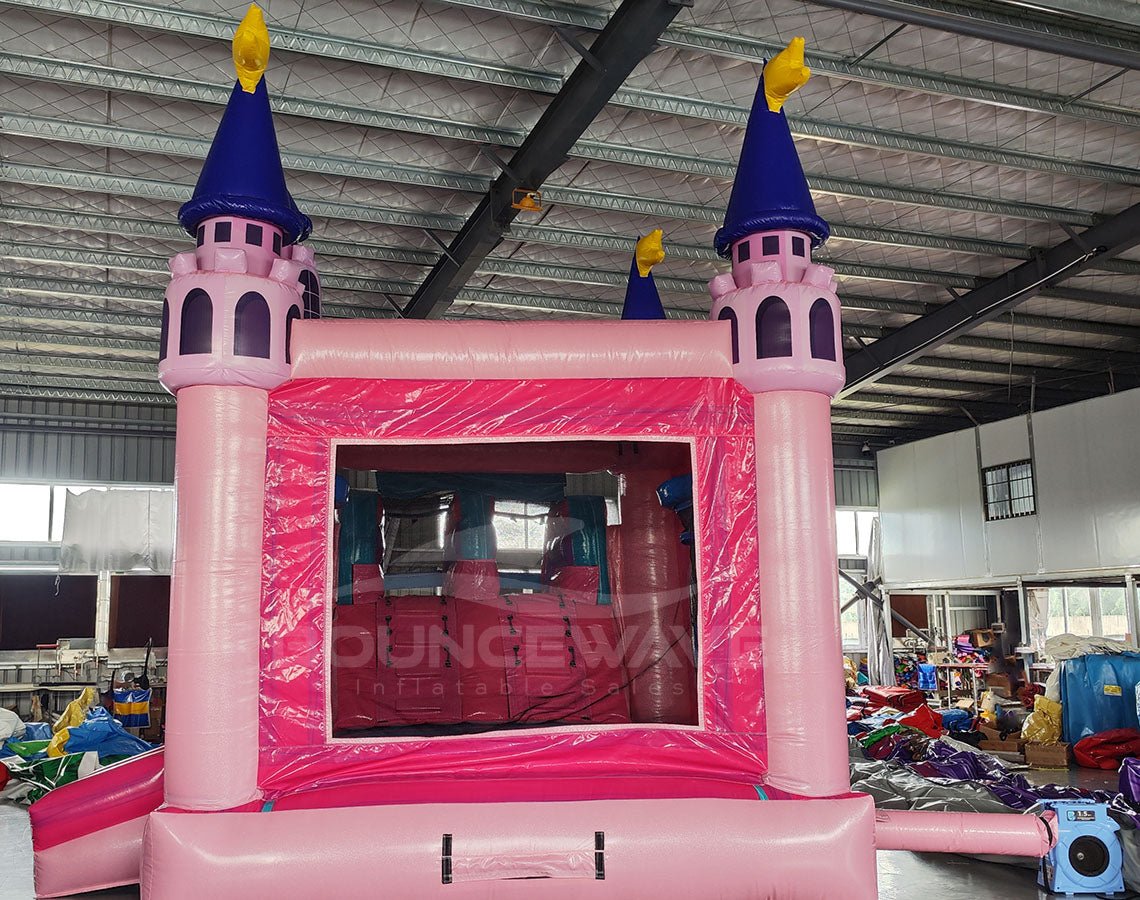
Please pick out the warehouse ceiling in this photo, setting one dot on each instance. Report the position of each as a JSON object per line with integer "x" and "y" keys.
{"x": 947, "y": 145}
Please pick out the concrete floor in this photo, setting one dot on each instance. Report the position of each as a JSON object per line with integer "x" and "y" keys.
{"x": 902, "y": 875}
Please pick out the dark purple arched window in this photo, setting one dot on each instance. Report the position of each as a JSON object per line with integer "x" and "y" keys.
{"x": 294, "y": 314}
{"x": 821, "y": 324}
{"x": 730, "y": 314}
{"x": 164, "y": 333}
{"x": 197, "y": 324}
{"x": 311, "y": 290}
{"x": 251, "y": 326}
{"x": 773, "y": 329}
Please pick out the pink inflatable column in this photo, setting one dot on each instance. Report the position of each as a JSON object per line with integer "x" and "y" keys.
{"x": 785, "y": 328}
{"x": 211, "y": 718}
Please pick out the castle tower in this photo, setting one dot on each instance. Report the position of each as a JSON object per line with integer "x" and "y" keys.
{"x": 784, "y": 318}
{"x": 225, "y": 343}
{"x": 228, "y": 313}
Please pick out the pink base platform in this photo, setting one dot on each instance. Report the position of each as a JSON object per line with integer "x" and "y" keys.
{"x": 93, "y": 862}
{"x": 651, "y": 849}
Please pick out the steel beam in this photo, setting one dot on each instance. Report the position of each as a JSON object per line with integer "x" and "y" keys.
{"x": 1114, "y": 13}
{"x": 1055, "y": 379}
{"x": 140, "y": 393}
{"x": 166, "y": 87}
{"x": 153, "y": 189}
{"x": 104, "y": 224}
{"x": 201, "y": 25}
{"x": 1050, "y": 35}
{"x": 1115, "y": 236}
{"x": 627, "y": 38}
{"x": 736, "y": 45}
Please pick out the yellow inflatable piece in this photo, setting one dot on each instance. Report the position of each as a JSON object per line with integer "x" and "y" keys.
{"x": 251, "y": 49}
{"x": 649, "y": 252}
{"x": 58, "y": 741}
{"x": 784, "y": 74}
{"x": 73, "y": 715}
{"x": 76, "y": 710}
{"x": 1043, "y": 725}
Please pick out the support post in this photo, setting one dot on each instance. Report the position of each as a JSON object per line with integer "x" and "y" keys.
{"x": 215, "y": 598}
{"x": 799, "y": 594}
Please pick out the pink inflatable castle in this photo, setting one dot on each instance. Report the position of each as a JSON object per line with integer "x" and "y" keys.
{"x": 658, "y": 712}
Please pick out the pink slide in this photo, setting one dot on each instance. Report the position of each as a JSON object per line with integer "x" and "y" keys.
{"x": 87, "y": 835}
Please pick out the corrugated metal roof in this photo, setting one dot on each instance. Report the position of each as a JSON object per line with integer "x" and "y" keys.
{"x": 940, "y": 160}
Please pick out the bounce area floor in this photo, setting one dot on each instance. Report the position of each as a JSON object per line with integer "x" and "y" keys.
{"x": 902, "y": 875}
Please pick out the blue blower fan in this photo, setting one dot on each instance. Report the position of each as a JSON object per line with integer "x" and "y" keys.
{"x": 1087, "y": 858}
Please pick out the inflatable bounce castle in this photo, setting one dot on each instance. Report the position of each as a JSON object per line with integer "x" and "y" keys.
{"x": 657, "y": 711}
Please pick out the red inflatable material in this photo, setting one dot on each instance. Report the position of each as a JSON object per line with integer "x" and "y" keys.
{"x": 472, "y": 579}
{"x": 653, "y": 605}
{"x": 577, "y": 583}
{"x": 925, "y": 720}
{"x": 367, "y": 583}
{"x": 710, "y": 420}
{"x": 354, "y": 673}
{"x": 513, "y": 790}
{"x": 439, "y": 661}
{"x": 1106, "y": 749}
{"x": 900, "y": 698}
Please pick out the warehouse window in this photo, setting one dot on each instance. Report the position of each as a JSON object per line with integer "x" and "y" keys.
{"x": 1009, "y": 490}
{"x": 1086, "y": 610}
{"x": 520, "y": 526}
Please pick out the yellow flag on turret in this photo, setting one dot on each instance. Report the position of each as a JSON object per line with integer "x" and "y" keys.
{"x": 649, "y": 252}
{"x": 251, "y": 49}
{"x": 784, "y": 74}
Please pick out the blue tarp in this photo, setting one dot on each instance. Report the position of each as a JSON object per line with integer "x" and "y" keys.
{"x": 100, "y": 732}
{"x": 1098, "y": 692}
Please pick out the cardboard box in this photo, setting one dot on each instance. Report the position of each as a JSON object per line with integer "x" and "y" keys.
{"x": 1047, "y": 756}
{"x": 1012, "y": 746}
{"x": 999, "y": 682}
{"x": 982, "y": 637}
{"x": 993, "y": 742}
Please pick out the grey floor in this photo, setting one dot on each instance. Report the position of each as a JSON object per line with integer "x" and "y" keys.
{"x": 902, "y": 875}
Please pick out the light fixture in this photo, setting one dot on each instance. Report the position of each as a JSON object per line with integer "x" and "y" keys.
{"x": 866, "y": 447}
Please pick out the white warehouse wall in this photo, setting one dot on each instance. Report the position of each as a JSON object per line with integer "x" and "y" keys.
{"x": 1087, "y": 477}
